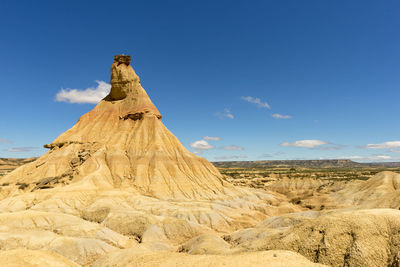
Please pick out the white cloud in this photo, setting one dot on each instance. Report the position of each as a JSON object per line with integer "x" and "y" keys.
{"x": 350, "y": 157}
{"x": 229, "y": 115}
{"x": 212, "y": 138}
{"x": 231, "y": 157}
{"x": 21, "y": 149}
{"x": 331, "y": 147}
{"x": 197, "y": 152}
{"x": 383, "y": 157}
{"x": 201, "y": 145}
{"x": 226, "y": 114}
{"x": 385, "y": 145}
{"x": 89, "y": 95}
{"x": 280, "y": 116}
{"x": 5, "y": 141}
{"x": 256, "y": 101}
{"x": 266, "y": 155}
{"x": 369, "y": 158}
{"x": 313, "y": 144}
{"x": 232, "y": 147}
{"x": 269, "y": 155}
{"x": 306, "y": 143}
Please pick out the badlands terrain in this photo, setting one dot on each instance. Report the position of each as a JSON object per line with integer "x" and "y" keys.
{"x": 119, "y": 189}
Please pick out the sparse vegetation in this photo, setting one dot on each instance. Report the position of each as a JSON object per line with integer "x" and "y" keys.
{"x": 9, "y": 164}
{"x": 300, "y": 172}
{"x": 317, "y": 180}
{"x": 22, "y": 186}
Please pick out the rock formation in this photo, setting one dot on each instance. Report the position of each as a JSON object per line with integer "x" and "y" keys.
{"x": 122, "y": 180}
{"x": 123, "y": 142}
{"x": 119, "y": 189}
{"x": 337, "y": 238}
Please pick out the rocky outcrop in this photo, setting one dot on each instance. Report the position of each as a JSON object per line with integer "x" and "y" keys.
{"x": 337, "y": 238}
{"x": 119, "y": 189}
{"x": 120, "y": 179}
{"x": 122, "y": 142}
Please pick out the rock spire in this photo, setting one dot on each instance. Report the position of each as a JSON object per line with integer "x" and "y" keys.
{"x": 122, "y": 142}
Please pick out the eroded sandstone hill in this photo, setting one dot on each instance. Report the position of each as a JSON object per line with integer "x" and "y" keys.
{"x": 123, "y": 142}
{"x": 118, "y": 189}
{"x": 119, "y": 181}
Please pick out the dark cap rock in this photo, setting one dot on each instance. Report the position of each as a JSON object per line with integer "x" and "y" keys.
{"x": 122, "y": 59}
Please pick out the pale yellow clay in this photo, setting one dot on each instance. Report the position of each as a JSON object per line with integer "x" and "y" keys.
{"x": 119, "y": 189}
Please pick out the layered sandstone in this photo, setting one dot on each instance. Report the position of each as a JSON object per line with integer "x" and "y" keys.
{"x": 119, "y": 189}
{"x": 122, "y": 142}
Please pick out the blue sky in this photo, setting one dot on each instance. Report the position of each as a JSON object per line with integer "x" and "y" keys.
{"x": 234, "y": 80}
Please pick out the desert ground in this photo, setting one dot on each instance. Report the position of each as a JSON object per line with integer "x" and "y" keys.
{"x": 119, "y": 189}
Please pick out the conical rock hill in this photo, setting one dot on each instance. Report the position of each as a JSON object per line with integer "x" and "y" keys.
{"x": 123, "y": 142}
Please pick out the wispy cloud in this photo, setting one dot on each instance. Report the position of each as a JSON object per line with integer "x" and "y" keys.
{"x": 232, "y": 147}
{"x": 225, "y": 114}
{"x": 269, "y": 155}
{"x": 21, "y": 149}
{"x": 313, "y": 144}
{"x": 281, "y": 117}
{"x": 370, "y": 158}
{"x": 201, "y": 145}
{"x": 256, "y": 101}
{"x": 266, "y": 155}
{"x": 212, "y": 138}
{"x": 89, "y": 95}
{"x": 5, "y": 141}
{"x": 385, "y": 145}
{"x": 305, "y": 143}
{"x": 231, "y": 157}
{"x": 331, "y": 147}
